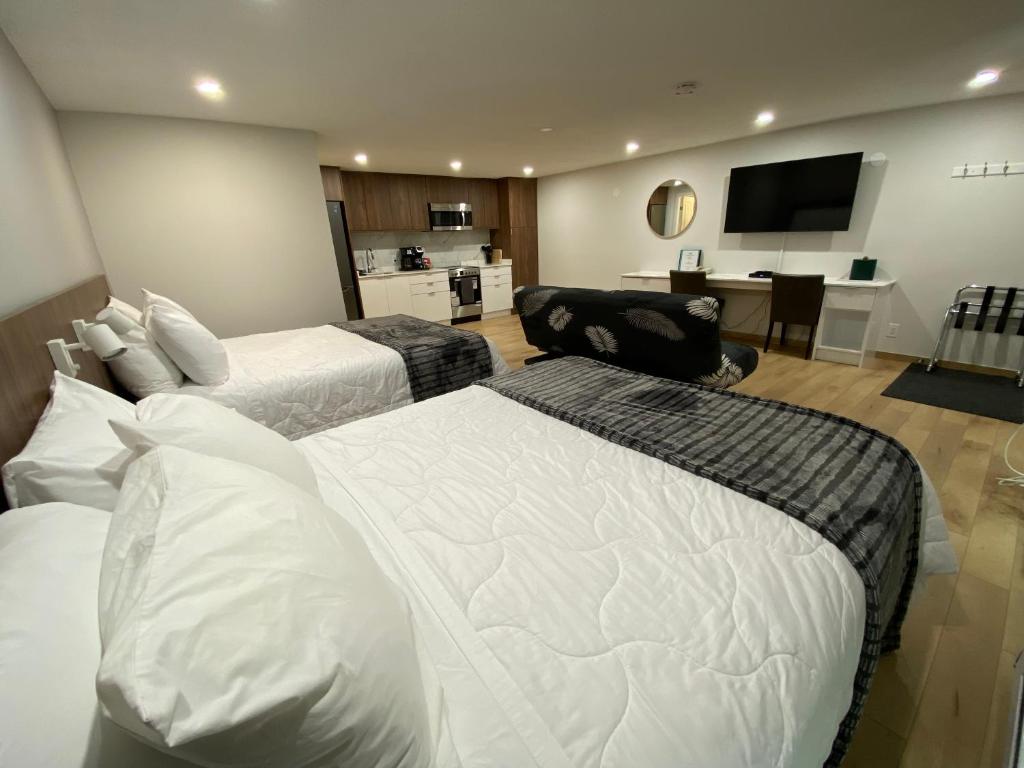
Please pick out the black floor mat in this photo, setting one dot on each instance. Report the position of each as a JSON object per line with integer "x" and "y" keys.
{"x": 997, "y": 397}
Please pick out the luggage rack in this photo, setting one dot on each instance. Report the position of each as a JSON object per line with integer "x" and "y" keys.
{"x": 982, "y": 302}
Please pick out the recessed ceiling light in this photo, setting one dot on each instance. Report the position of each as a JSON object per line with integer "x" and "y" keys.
{"x": 361, "y": 158}
{"x": 632, "y": 147}
{"x": 677, "y": 183}
{"x": 527, "y": 170}
{"x": 210, "y": 88}
{"x": 983, "y": 78}
{"x": 456, "y": 165}
{"x": 764, "y": 118}
{"x": 546, "y": 130}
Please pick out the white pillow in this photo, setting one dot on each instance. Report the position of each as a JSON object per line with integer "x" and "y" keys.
{"x": 144, "y": 369}
{"x": 73, "y": 455}
{"x": 50, "y": 644}
{"x": 244, "y": 623}
{"x": 206, "y": 427}
{"x": 126, "y": 309}
{"x": 189, "y": 343}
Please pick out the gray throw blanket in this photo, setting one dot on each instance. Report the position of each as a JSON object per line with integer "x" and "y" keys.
{"x": 858, "y": 488}
{"x": 438, "y": 358}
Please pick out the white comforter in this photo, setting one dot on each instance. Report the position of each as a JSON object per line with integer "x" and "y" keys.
{"x": 587, "y": 605}
{"x": 310, "y": 379}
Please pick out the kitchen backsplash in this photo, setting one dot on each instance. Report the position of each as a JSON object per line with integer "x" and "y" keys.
{"x": 445, "y": 249}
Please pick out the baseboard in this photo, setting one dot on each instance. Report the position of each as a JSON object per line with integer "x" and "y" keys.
{"x": 747, "y": 338}
{"x": 986, "y": 369}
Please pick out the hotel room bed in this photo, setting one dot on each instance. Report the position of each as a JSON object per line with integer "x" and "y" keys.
{"x": 302, "y": 381}
{"x": 581, "y": 599}
{"x": 590, "y": 605}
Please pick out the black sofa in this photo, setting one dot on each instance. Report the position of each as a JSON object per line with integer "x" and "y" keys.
{"x": 672, "y": 335}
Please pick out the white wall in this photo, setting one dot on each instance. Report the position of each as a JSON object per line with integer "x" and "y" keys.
{"x": 931, "y": 232}
{"x": 46, "y": 245}
{"x": 228, "y": 219}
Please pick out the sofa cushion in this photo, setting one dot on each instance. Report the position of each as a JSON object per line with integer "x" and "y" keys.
{"x": 664, "y": 334}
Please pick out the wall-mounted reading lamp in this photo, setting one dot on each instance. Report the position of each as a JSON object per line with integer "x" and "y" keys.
{"x": 99, "y": 337}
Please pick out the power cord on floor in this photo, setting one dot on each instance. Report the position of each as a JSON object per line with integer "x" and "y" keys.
{"x": 759, "y": 309}
{"x": 1017, "y": 478}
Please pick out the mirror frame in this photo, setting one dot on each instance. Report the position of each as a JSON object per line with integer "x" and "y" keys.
{"x": 690, "y": 224}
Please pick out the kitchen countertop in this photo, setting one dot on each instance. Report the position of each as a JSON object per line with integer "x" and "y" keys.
{"x": 398, "y": 273}
{"x": 437, "y": 270}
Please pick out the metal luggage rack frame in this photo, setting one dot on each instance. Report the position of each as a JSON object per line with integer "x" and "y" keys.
{"x": 978, "y": 301}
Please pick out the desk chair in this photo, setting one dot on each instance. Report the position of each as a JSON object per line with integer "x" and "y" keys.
{"x": 796, "y": 299}
{"x": 694, "y": 282}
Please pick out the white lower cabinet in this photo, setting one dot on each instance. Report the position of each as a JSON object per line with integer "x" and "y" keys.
{"x": 421, "y": 295}
{"x": 399, "y": 297}
{"x": 432, "y": 306}
{"x": 496, "y": 289}
{"x": 374, "y": 294}
{"x": 496, "y": 297}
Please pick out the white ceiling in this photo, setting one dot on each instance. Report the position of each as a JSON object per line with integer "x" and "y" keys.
{"x": 416, "y": 83}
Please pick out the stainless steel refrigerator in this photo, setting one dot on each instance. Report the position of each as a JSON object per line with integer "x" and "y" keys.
{"x": 346, "y": 264}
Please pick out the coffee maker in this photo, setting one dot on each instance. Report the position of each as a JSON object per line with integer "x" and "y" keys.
{"x": 411, "y": 257}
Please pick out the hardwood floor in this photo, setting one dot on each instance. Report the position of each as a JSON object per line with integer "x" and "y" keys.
{"x": 943, "y": 698}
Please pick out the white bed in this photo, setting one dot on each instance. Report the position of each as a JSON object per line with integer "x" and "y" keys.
{"x": 303, "y": 381}
{"x": 586, "y": 605}
{"x": 575, "y": 603}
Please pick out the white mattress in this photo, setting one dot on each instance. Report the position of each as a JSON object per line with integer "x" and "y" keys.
{"x": 587, "y": 605}
{"x": 303, "y": 381}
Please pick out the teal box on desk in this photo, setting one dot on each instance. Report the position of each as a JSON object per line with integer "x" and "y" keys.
{"x": 863, "y": 269}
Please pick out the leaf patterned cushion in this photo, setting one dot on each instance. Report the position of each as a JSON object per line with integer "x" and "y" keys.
{"x": 665, "y": 334}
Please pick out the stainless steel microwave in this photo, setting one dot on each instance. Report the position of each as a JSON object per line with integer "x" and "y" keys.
{"x": 450, "y": 217}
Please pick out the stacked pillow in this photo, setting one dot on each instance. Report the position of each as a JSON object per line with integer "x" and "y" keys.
{"x": 87, "y": 437}
{"x": 73, "y": 454}
{"x": 190, "y": 344}
{"x": 242, "y": 622}
{"x": 165, "y": 344}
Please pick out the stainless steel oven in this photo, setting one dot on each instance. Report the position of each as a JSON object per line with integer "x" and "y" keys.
{"x": 464, "y": 284}
{"x": 450, "y": 217}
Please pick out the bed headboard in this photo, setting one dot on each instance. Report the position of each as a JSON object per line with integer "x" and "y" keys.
{"x": 26, "y": 369}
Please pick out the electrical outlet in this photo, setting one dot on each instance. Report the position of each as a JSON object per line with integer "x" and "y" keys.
{"x": 893, "y": 329}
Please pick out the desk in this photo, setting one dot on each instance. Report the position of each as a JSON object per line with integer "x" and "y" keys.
{"x": 852, "y": 314}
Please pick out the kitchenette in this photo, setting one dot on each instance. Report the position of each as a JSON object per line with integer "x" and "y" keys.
{"x": 445, "y": 249}
{"x": 453, "y": 294}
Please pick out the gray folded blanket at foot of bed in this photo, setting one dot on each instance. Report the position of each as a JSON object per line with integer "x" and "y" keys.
{"x": 672, "y": 335}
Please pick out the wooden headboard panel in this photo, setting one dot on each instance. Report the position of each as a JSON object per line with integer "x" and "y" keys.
{"x": 26, "y": 369}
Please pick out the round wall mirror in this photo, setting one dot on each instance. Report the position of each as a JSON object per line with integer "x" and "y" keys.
{"x": 671, "y": 208}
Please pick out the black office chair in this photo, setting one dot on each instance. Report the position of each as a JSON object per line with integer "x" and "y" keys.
{"x": 796, "y": 299}
{"x": 693, "y": 282}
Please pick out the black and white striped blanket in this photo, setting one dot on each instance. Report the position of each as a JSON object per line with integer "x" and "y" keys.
{"x": 438, "y": 358}
{"x": 858, "y": 488}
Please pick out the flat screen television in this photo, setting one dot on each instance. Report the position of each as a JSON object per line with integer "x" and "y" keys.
{"x": 814, "y": 195}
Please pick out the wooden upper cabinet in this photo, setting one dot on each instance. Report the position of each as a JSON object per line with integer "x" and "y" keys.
{"x": 448, "y": 189}
{"x": 394, "y": 202}
{"x": 409, "y": 201}
{"x": 518, "y": 202}
{"x": 484, "y": 198}
{"x": 377, "y": 191}
{"x": 330, "y": 177}
{"x": 355, "y": 201}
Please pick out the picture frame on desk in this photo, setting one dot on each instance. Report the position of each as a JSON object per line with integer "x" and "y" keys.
{"x": 690, "y": 259}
